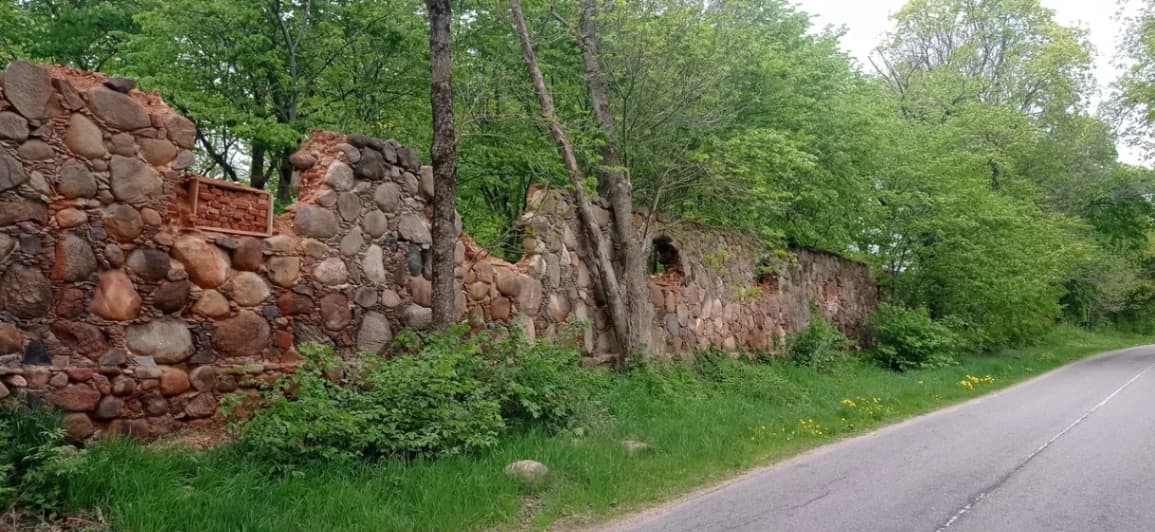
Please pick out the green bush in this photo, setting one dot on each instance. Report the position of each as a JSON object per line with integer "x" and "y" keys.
{"x": 436, "y": 395}
{"x": 535, "y": 382}
{"x": 910, "y": 339}
{"x": 820, "y": 345}
{"x": 34, "y": 459}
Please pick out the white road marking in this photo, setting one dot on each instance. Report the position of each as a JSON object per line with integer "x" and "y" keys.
{"x": 1041, "y": 448}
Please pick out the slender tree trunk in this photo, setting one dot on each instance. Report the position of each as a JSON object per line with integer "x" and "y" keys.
{"x": 285, "y": 179}
{"x": 605, "y": 267}
{"x": 257, "y": 176}
{"x": 630, "y": 246}
{"x": 444, "y": 163}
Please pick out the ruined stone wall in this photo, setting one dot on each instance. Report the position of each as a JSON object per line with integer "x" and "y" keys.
{"x": 133, "y": 295}
{"x": 713, "y": 289}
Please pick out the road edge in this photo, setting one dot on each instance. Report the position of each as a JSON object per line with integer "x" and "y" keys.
{"x": 663, "y": 508}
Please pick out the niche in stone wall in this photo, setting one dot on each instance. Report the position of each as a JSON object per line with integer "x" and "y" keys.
{"x": 766, "y": 276}
{"x": 665, "y": 260}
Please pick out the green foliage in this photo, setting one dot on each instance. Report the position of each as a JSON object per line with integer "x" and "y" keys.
{"x": 820, "y": 345}
{"x": 536, "y": 382}
{"x": 908, "y": 339}
{"x": 964, "y": 167}
{"x": 410, "y": 406}
{"x": 35, "y": 461}
{"x": 437, "y": 395}
{"x": 86, "y": 34}
{"x": 753, "y": 413}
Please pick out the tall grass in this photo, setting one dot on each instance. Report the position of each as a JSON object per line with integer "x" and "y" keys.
{"x": 703, "y": 424}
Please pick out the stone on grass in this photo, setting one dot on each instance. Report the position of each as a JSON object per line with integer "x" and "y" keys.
{"x": 633, "y": 447}
{"x": 528, "y": 471}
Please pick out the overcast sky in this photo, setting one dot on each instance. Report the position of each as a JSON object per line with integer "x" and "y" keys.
{"x": 867, "y": 20}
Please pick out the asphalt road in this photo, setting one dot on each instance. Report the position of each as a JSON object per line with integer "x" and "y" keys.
{"x": 1071, "y": 450}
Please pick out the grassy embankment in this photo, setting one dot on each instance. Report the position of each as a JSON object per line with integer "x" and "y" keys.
{"x": 703, "y": 426}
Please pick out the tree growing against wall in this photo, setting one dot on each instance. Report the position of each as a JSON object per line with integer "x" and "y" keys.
{"x": 611, "y": 289}
{"x": 614, "y": 176}
{"x": 444, "y": 162}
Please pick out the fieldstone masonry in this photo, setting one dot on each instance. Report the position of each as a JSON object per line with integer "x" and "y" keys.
{"x": 122, "y": 306}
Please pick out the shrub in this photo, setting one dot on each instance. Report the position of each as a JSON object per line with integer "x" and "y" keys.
{"x": 408, "y": 406}
{"x": 437, "y": 395}
{"x": 536, "y": 382}
{"x": 34, "y": 458}
{"x": 910, "y": 339}
{"x": 819, "y": 345}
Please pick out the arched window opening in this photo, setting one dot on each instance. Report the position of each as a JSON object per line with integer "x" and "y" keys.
{"x": 665, "y": 261}
{"x": 766, "y": 276}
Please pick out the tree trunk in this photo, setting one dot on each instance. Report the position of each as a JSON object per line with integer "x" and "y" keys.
{"x": 630, "y": 246}
{"x": 257, "y": 176}
{"x": 285, "y": 182}
{"x": 604, "y": 264}
{"x": 444, "y": 163}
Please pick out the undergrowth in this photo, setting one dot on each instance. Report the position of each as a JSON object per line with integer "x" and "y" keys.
{"x": 703, "y": 421}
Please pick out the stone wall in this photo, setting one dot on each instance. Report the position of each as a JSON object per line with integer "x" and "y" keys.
{"x": 712, "y": 289}
{"x": 121, "y": 304}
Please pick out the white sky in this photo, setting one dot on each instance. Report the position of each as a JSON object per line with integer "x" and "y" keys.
{"x": 867, "y": 20}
